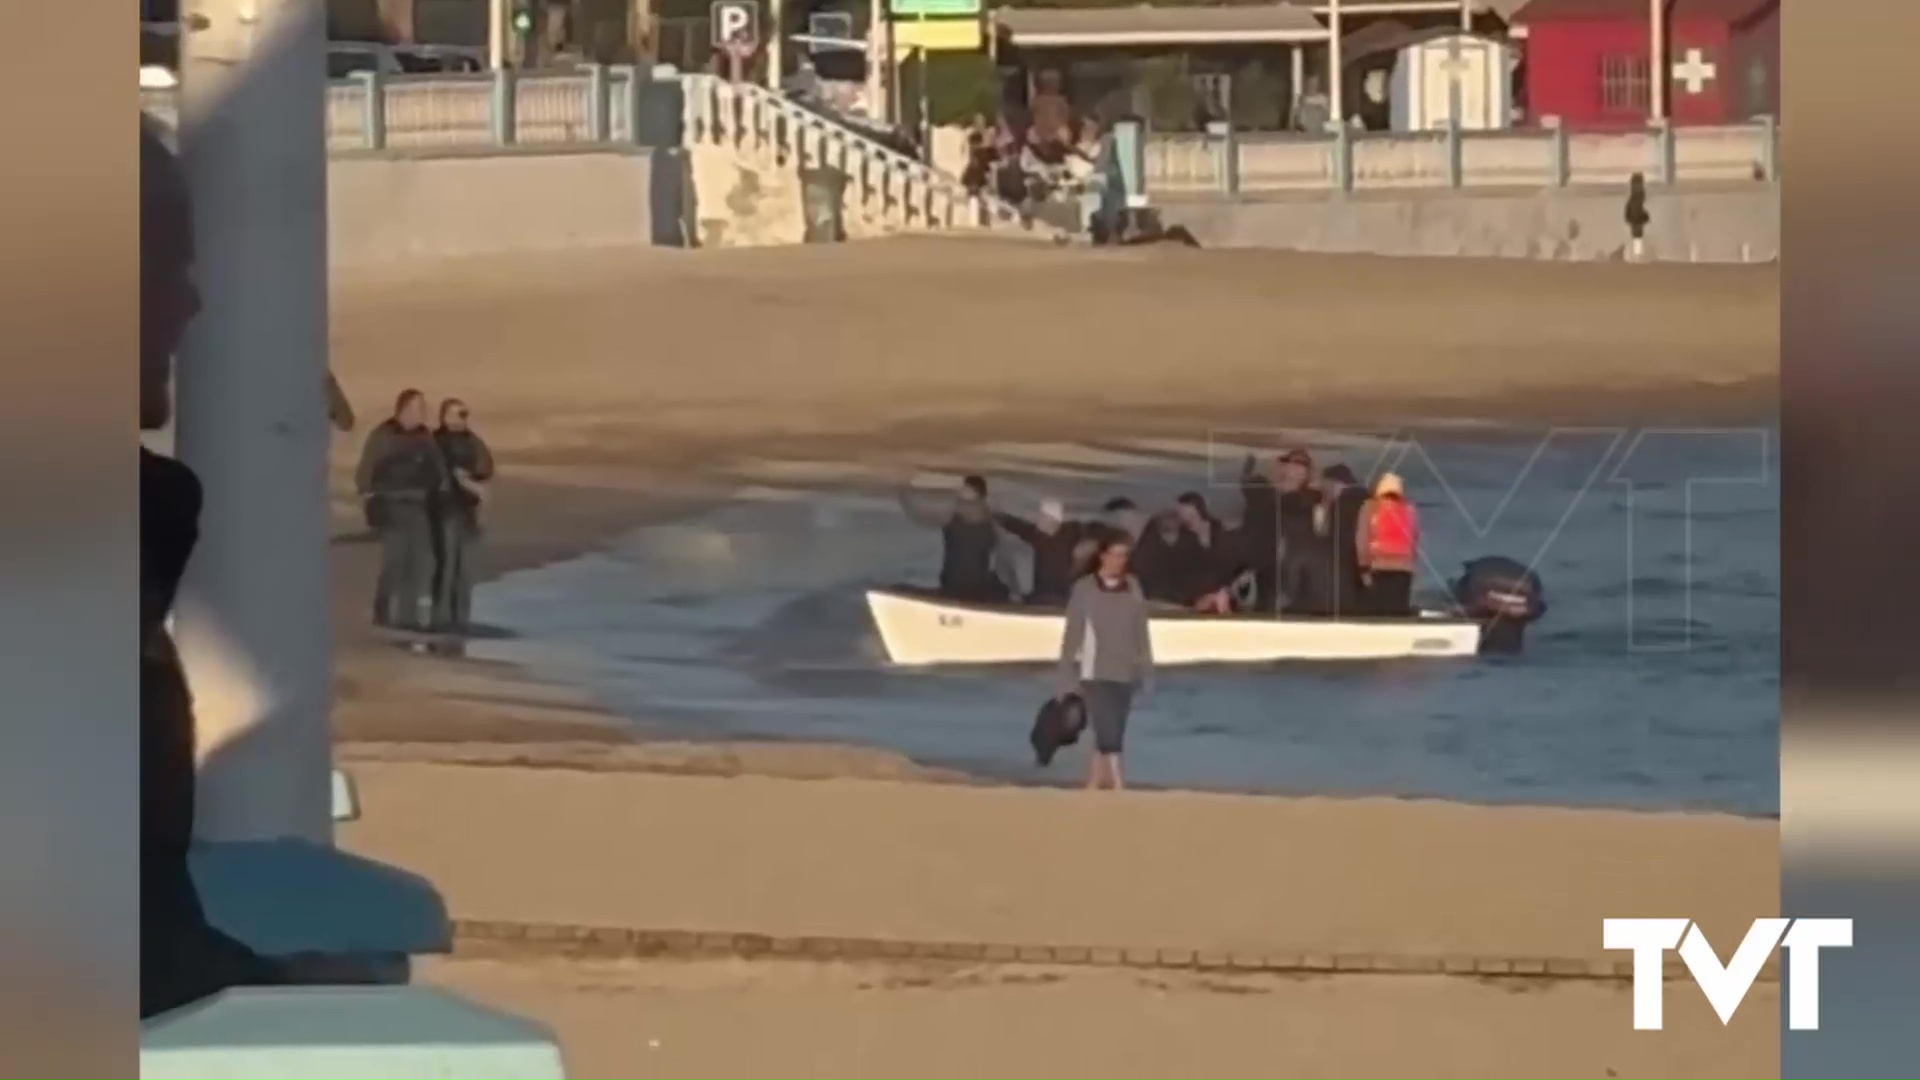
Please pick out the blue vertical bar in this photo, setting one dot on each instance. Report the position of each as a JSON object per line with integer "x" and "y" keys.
{"x": 1456, "y": 157}
{"x": 504, "y": 107}
{"x": 1342, "y": 157}
{"x": 1664, "y": 168}
{"x": 373, "y": 109}
{"x": 1226, "y": 149}
{"x": 1130, "y": 155}
{"x": 1557, "y": 147}
{"x": 599, "y": 105}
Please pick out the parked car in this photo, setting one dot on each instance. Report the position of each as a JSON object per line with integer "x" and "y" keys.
{"x": 347, "y": 58}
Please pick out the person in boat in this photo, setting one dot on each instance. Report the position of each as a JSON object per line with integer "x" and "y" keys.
{"x": 1337, "y": 521}
{"x": 1303, "y": 558}
{"x": 1387, "y": 545}
{"x": 1062, "y": 550}
{"x": 1164, "y": 561}
{"x": 973, "y": 564}
{"x": 1260, "y": 533}
{"x": 1106, "y": 655}
{"x": 1214, "y": 553}
{"x": 1122, "y": 516}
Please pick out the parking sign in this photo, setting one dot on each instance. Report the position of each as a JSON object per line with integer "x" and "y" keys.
{"x": 736, "y": 24}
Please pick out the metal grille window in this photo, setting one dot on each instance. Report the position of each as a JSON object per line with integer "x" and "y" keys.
{"x": 1624, "y": 83}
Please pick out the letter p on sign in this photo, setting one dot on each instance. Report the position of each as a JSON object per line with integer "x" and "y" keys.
{"x": 1726, "y": 985}
{"x": 736, "y": 23}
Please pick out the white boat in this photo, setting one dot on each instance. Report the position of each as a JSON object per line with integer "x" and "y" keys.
{"x": 922, "y": 630}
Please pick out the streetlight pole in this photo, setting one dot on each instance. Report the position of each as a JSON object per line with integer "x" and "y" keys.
{"x": 255, "y": 616}
{"x": 1336, "y": 60}
{"x": 497, "y": 16}
{"x": 776, "y": 43}
{"x": 1657, "y": 60}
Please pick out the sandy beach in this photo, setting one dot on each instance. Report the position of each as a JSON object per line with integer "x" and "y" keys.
{"x": 621, "y": 389}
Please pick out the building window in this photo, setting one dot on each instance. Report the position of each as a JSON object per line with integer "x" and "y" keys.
{"x": 1624, "y": 83}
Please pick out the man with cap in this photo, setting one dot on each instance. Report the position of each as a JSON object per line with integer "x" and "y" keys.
{"x": 1062, "y": 550}
{"x": 1386, "y": 545}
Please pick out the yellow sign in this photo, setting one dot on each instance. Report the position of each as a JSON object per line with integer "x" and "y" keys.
{"x": 937, "y": 35}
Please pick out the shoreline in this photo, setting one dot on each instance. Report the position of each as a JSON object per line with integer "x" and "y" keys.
{"x": 508, "y": 718}
{"x": 620, "y": 390}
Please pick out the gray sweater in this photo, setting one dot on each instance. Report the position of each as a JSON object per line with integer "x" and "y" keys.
{"x": 1106, "y": 638}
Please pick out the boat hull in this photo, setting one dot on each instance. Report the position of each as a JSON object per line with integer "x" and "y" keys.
{"x": 925, "y": 631}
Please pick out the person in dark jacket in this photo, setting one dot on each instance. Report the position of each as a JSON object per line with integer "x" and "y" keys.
{"x": 1304, "y": 559}
{"x": 457, "y": 516}
{"x": 1168, "y": 562}
{"x": 974, "y": 567}
{"x": 1062, "y": 550}
{"x": 1341, "y": 499}
{"x": 1215, "y": 554}
{"x": 401, "y": 476}
{"x": 183, "y": 956}
{"x": 1120, "y": 516}
{"x": 1260, "y": 534}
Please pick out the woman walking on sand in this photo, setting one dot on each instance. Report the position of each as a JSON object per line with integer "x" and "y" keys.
{"x": 1106, "y": 654}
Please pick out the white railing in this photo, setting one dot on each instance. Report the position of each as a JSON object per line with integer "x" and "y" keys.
{"x": 446, "y": 112}
{"x": 882, "y": 184}
{"x": 1544, "y": 157}
{"x": 441, "y": 111}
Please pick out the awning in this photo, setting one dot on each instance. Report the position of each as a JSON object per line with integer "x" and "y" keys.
{"x": 1070, "y": 28}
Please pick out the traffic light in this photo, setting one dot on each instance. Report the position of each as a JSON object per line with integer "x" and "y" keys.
{"x": 522, "y": 19}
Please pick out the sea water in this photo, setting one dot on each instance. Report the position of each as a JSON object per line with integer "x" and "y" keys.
{"x": 1652, "y": 682}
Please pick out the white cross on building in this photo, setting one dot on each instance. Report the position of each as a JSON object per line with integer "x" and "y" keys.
{"x": 1696, "y": 71}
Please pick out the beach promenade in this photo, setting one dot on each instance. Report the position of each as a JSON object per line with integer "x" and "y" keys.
{"x": 615, "y": 388}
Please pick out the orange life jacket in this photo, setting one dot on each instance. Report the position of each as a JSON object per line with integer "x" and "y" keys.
{"x": 1393, "y": 532}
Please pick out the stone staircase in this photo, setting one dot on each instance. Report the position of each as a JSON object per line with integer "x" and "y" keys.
{"x": 749, "y": 149}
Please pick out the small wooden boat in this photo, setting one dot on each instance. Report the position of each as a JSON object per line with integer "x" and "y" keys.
{"x": 919, "y": 629}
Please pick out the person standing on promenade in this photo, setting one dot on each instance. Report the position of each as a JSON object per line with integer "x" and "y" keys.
{"x": 457, "y": 516}
{"x": 1106, "y": 655}
{"x": 401, "y": 474}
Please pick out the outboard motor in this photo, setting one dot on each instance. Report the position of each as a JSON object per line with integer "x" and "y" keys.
{"x": 1504, "y": 596}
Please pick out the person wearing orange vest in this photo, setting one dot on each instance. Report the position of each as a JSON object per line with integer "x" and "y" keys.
{"x": 1387, "y": 544}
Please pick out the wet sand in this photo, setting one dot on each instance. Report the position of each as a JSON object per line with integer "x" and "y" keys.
{"x": 686, "y": 1019}
{"x": 619, "y": 388}
{"x": 616, "y": 389}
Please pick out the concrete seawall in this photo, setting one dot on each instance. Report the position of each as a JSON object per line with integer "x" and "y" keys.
{"x": 388, "y": 209}
{"x": 1736, "y": 224}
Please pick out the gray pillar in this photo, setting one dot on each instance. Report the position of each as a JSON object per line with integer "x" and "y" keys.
{"x": 255, "y": 618}
{"x": 505, "y": 105}
{"x": 373, "y": 109}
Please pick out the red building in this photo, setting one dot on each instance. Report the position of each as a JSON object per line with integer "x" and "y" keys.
{"x": 1587, "y": 61}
